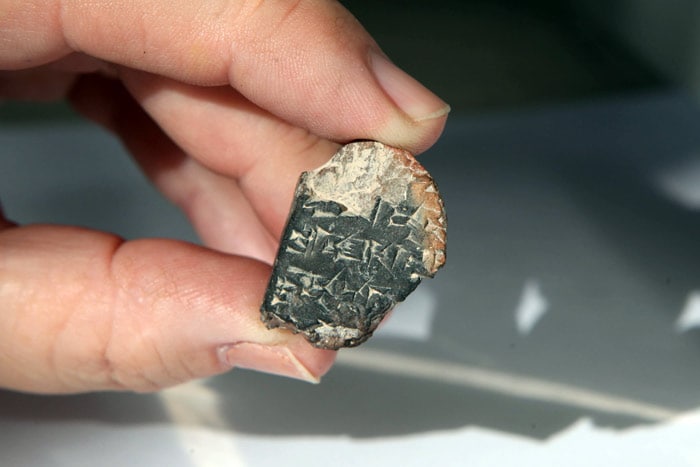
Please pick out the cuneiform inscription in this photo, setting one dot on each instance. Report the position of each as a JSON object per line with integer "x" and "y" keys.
{"x": 346, "y": 262}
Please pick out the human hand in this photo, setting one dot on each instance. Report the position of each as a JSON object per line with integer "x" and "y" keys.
{"x": 222, "y": 104}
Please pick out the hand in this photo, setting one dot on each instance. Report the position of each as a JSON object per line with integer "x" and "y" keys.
{"x": 223, "y": 104}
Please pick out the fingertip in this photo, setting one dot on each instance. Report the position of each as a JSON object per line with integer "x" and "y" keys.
{"x": 415, "y": 137}
{"x": 317, "y": 361}
{"x": 416, "y": 101}
{"x": 321, "y": 70}
{"x": 297, "y": 360}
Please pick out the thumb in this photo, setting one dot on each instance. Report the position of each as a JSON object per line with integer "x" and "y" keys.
{"x": 309, "y": 62}
{"x": 84, "y": 311}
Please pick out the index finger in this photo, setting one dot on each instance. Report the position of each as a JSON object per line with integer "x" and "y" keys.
{"x": 307, "y": 61}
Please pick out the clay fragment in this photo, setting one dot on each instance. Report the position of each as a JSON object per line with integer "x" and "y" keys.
{"x": 363, "y": 230}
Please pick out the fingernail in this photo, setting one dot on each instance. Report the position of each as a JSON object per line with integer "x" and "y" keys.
{"x": 272, "y": 359}
{"x": 414, "y": 99}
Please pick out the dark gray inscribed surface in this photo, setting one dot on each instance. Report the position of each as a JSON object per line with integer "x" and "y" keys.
{"x": 364, "y": 229}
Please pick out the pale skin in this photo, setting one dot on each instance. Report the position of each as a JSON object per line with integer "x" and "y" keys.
{"x": 222, "y": 103}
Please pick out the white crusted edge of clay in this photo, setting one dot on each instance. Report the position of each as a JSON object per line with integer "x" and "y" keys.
{"x": 361, "y": 172}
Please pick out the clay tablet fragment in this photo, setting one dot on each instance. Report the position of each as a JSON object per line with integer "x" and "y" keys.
{"x": 363, "y": 231}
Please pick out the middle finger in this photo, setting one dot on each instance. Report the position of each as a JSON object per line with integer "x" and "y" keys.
{"x": 230, "y": 135}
